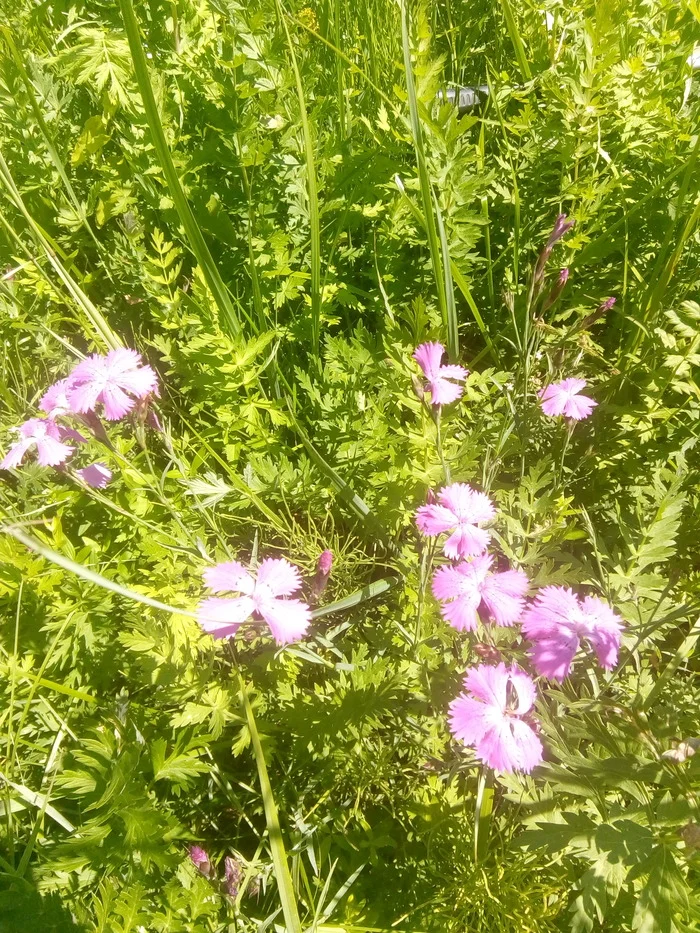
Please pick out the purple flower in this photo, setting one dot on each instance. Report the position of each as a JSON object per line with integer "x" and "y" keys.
{"x": 323, "y": 571}
{"x": 561, "y": 227}
{"x": 442, "y": 391}
{"x": 562, "y": 398}
{"x": 96, "y": 475}
{"x": 200, "y": 860}
{"x": 232, "y": 875}
{"x": 463, "y": 588}
{"x": 288, "y": 618}
{"x": 489, "y": 716}
{"x": 55, "y": 400}
{"x": 461, "y": 510}
{"x": 557, "y": 622}
{"x": 46, "y": 436}
{"x": 112, "y": 380}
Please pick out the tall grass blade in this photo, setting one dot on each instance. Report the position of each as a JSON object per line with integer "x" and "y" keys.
{"x": 95, "y": 318}
{"x": 426, "y": 191}
{"x": 228, "y": 317}
{"x": 515, "y": 38}
{"x": 312, "y": 188}
{"x": 86, "y": 574}
{"x": 277, "y": 848}
{"x": 354, "y": 599}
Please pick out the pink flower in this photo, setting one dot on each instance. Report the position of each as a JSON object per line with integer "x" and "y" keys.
{"x": 55, "y": 400}
{"x": 288, "y": 618}
{"x": 46, "y": 436}
{"x": 562, "y": 398}
{"x": 111, "y": 380}
{"x": 464, "y": 587}
{"x": 323, "y": 572}
{"x": 461, "y": 510}
{"x": 96, "y": 475}
{"x": 489, "y": 716}
{"x": 201, "y": 861}
{"x": 442, "y": 392}
{"x": 557, "y": 622}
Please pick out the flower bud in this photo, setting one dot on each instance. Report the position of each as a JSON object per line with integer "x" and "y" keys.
{"x": 232, "y": 875}
{"x": 323, "y": 572}
{"x": 200, "y": 860}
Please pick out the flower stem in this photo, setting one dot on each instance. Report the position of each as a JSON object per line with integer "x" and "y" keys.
{"x": 279, "y": 854}
{"x": 438, "y": 436}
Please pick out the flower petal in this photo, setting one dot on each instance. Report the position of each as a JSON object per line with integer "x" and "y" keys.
{"x": 428, "y": 357}
{"x": 223, "y": 617}
{"x": 116, "y": 402}
{"x": 467, "y": 504}
{"x": 288, "y": 618}
{"x": 433, "y": 520}
{"x": 579, "y": 407}
{"x": 503, "y": 594}
{"x": 488, "y": 683}
{"x": 51, "y": 452}
{"x": 466, "y": 541}
{"x": 552, "y": 657}
{"x": 443, "y": 392}
{"x": 229, "y": 577}
{"x": 96, "y": 475}
{"x": 15, "y": 454}
{"x": 280, "y": 576}
{"x": 462, "y": 613}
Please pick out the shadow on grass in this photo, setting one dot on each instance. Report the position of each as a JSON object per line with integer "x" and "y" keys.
{"x": 24, "y": 910}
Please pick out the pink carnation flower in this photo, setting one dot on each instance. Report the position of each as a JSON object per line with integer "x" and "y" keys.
{"x": 55, "y": 400}
{"x": 442, "y": 391}
{"x": 46, "y": 436}
{"x": 111, "y": 380}
{"x": 288, "y": 618}
{"x": 557, "y": 622}
{"x": 463, "y": 588}
{"x": 461, "y": 510}
{"x": 562, "y": 398}
{"x": 96, "y": 475}
{"x": 489, "y": 716}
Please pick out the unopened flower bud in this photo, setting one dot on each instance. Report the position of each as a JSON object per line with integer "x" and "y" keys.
{"x": 200, "y": 860}
{"x": 232, "y": 875}
{"x": 556, "y": 290}
{"x": 323, "y": 572}
{"x": 430, "y": 497}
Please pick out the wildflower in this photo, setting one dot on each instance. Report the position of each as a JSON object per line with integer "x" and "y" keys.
{"x": 465, "y": 587}
{"x": 557, "y": 622}
{"x": 288, "y": 618}
{"x": 323, "y": 572}
{"x": 562, "y": 398}
{"x": 111, "y": 380}
{"x": 96, "y": 475}
{"x": 46, "y": 436}
{"x": 561, "y": 227}
{"x": 232, "y": 875}
{"x": 55, "y": 400}
{"x": 461, "y": 510}
{"x": 201, "y": 862}
{"x": 442, "y": 392}
{"x": 556, "y": 291}
{"x": 490, "y": 716}
{"x": 599, "y": 312}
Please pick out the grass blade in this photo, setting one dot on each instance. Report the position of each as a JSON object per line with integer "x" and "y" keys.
{"x": 515, "y": 38}
{"x": 86, "y": 574}
{"x": 279, "y": 854}
{"x": 354, "y": 599}
{"x": 427, "y": 193}
{"x": 312, "y": 188}
{"x": 228, "y": 318}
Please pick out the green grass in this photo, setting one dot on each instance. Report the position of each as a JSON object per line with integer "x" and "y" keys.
{"x": 273, "y": 204}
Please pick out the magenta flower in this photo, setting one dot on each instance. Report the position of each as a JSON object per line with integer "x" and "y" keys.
{"x": 96, "y": 475}
{"x": 46, "y": 436}
{"x": 442, "y": 391}
{"x": 200, "y": 860}
{"x": 562, "y": 398}
{"x": 288, "y": 618}
{"x": 461, "y": 510}
{"x": 561, "y": 227}
{"x": 489, "y": 716}
{"x": 111, "y": 380}
{"x": 557, "y": 621}
{"x": 55, "y": 400}
{"x": 463, "y": 589}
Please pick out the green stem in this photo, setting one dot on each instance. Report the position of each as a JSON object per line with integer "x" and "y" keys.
{"x": 438, "y": 442}
{"x": 227, "y": 312}
{"x": 279, "y": 855}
